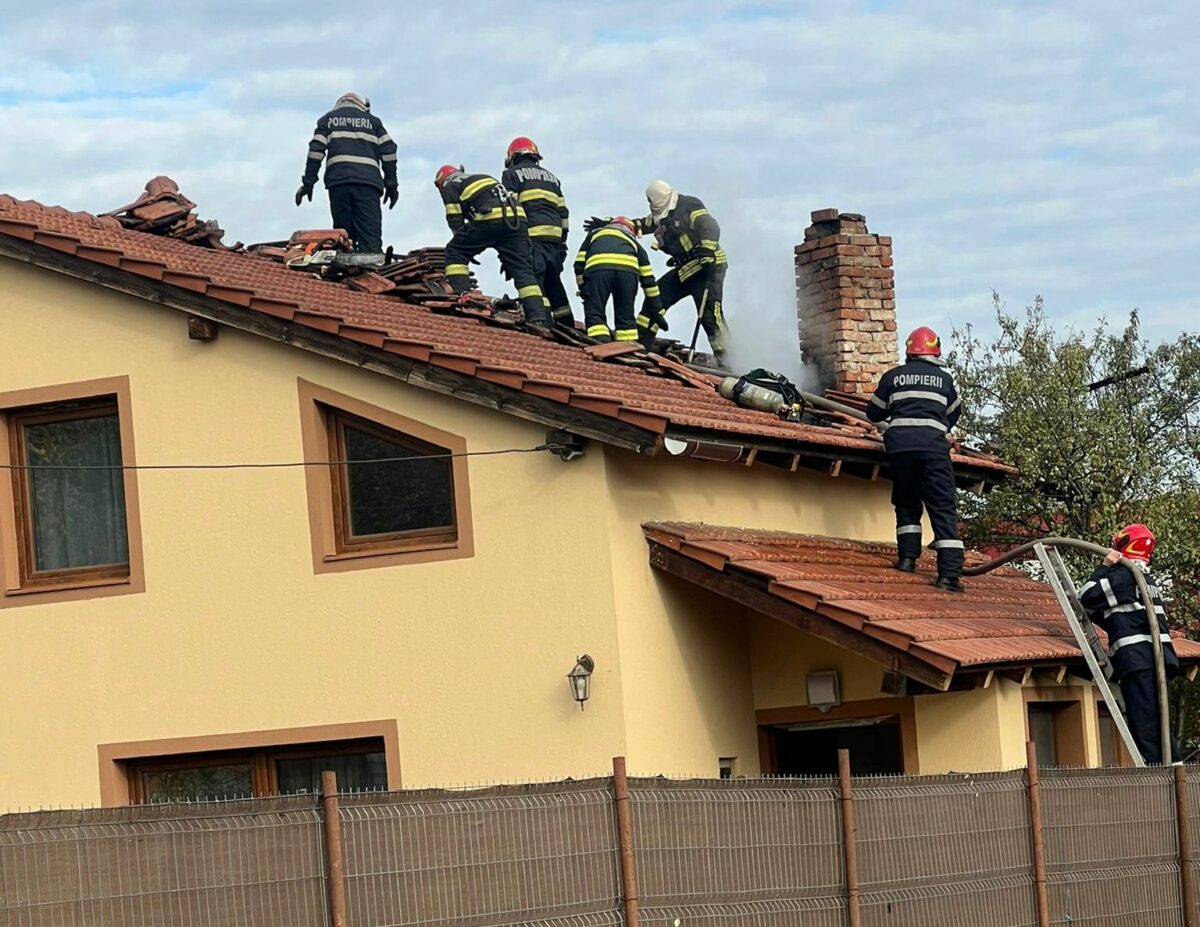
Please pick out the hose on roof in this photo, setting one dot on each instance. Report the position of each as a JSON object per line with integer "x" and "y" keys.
{"x": 1160, "y": 670}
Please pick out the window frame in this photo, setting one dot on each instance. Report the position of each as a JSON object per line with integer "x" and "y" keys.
{"x": 264, "y": 773}
{"x": 18, "y": 422}
{"x": 121, "y": 764}
{"x": 320, "y": 407}
{"x": 22, "y": 584}
{"x": 337, "y": 420}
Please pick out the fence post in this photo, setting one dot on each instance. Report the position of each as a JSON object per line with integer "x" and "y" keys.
{"x": 625, "y": 842}
{"x": 1035, "y": 826}
{"x": 849, "y": 844}
{"x": 1185, "y": 847}
{"x": 333, "y": 849}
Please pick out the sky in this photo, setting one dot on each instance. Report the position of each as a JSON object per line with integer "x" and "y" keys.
{"x": 1036, "y": 148}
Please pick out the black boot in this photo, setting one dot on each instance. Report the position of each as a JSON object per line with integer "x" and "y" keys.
{"x": 949, "y": 584}
{"x": 906, "y": 565}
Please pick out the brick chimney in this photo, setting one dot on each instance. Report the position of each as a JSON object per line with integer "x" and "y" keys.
{"x": 846, "y": 301}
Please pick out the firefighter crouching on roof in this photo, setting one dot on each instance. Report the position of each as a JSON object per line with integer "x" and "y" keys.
{"x": 691, "y": 237}
{"x": 1114, "y": 603}
{"x": 610, "y": 263}
{"x": 540, "y": 193}
{"x": 915, "y": 406}
{"x": 355, "y": 147}
{"x": 482, "y": 214}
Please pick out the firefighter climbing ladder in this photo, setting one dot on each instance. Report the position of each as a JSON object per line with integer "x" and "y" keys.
{"x": 1089, "y": 642}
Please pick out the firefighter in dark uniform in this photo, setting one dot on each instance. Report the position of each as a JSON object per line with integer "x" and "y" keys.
{"x": 611, "y": 262}
{"x": 915, "y": 406}
{"x": 482, "y": 214}
{"x": 360, "y": 168}
{"x": 691, "y": 237}
{"x": 1114, "y": 603}
{"x": 540, "y": 193}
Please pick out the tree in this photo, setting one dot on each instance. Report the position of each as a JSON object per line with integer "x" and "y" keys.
{"x": 1090, "y": 457}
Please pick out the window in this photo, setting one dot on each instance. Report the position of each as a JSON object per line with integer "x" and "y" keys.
{"x": 394, "y": 489}
{"x": 1043, "y": 731}
{"x": 1056, "y": 729}
{"x": 69, "y": 521}
{"x": 407, "y": 500}
{"x": 360, "y": 766}
{"x": 726, "y": 766}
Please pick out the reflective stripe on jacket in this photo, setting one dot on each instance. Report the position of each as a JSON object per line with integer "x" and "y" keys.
{"x": 355, "y": 147}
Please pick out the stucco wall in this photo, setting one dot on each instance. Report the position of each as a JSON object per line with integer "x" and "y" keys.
{"x": 236, "y": 633}
{"x": 691, "y": 661}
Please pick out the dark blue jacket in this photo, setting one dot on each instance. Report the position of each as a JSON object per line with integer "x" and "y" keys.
{"x": 541, "y": 194}
{"x": 355, "y": 146}
{"x": 920, "y": 405}
{"x": 1113, "y": 603}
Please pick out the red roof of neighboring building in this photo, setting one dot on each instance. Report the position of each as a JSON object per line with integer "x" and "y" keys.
{"x": 654, "y": 402}
{"x": 847, "y": 591}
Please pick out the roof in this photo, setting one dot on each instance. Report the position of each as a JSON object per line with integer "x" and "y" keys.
{"x": 649, "y": 408}
{"x": 848, "y": 593}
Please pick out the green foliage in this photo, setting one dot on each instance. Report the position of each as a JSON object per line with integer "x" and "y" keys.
{"x": 1090, "y": 460}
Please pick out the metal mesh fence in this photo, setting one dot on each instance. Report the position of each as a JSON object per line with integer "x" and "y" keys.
{"x": 753, "y": 853}
{"x": 245, "y": 863}
{"x": 758, "y": 852}
{"x": 534, "y": 854}
{"x": 945, "y": 849}
{"x": 1111, "y": 847}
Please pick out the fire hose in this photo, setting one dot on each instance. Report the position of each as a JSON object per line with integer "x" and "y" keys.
{"x": 1160, "y": 670}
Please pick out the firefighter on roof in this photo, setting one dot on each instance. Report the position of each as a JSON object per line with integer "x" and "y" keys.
{"x": 691, "y": 238}
{"x": 360, "y": 168}
{"x": 482, "y": 214}
{"x": 611, "y": 262}
{"x": 1114, "y": 603}
{"x": 540, "y": 193}
{"x": 916, "y": 405}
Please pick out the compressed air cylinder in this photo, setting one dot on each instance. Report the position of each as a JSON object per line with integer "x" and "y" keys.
{"x": 751, "y": 396}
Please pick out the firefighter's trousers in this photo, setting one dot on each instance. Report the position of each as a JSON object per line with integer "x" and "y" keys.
{"x": 549, "y": 256}
{"x": 622, "y": 286}
{"x": 710, "y": 277}
{"x": 1140, "y": 689}
{"x": 924, "y": 481}
{"x": 516, "y": 260}
{"x": 356, "y": 207}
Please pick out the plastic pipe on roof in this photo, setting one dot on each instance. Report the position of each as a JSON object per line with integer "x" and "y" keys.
{"x": 703, "y": 450}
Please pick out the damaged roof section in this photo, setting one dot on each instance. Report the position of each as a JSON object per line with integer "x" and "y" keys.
{"x": 481, "y": 353}
{"x": 846, "y": 592}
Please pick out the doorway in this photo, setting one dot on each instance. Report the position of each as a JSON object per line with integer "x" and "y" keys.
{"x": 811, "y": 748}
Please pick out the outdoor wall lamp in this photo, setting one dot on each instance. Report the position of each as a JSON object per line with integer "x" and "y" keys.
{"x": 824, "y": 690}
{"x": 580, "y": 679}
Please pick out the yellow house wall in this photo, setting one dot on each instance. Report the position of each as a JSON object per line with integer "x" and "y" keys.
{"x": 236, "y": 633}
{"x": 691, "y": 662}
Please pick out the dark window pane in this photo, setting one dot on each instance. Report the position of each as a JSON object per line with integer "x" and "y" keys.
{"x": 1108, "y": 738}
{"x": 1043, "y": 731}
{"x": 365, "y": 772}
{"x": 78, "y": 515}
{"x": 402, "y": 496}
{"x": 198, "y": 783}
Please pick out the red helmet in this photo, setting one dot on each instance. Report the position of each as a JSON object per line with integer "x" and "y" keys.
{"x": 444, "y": 172}
{"x": 521, "y": 145}
{"x": 1136, "y": 542}
{"x": 923, "y": 342}
{"x": 627, "y": 224}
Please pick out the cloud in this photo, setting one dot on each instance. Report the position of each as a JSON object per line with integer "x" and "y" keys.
{"x": 1027, "y": 147}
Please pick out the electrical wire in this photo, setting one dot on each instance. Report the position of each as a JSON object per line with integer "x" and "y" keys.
{"x": 277, "y": 465}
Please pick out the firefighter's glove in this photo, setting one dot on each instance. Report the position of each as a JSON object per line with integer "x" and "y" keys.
{"x": 562, "y": 253}
{"x": 659, "y": 317}
{"x": 391, "y": 196}
{"x": 595, "y": 222}
{"x": 306, "y": 189}
{"x": 672, "y": 262}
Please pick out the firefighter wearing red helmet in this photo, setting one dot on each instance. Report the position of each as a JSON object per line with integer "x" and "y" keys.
{"x": 916, "y": 405}
{"x": 1114, "y": 603}
{"x": 611, "y": 262}
{"x": 540, "y": 193}
{"x": 482, "y": 214}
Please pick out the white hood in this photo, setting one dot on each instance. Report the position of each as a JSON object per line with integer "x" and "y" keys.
{"x": 662, "y": 198}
